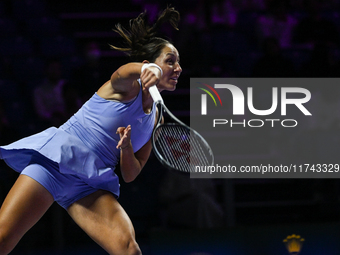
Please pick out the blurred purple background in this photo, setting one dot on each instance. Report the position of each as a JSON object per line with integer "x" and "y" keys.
{"x": 55, "y": 54}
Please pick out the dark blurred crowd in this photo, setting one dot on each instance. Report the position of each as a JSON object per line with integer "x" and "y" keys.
{"x": 45, "y": 75}
{"x": 262, "y": 38}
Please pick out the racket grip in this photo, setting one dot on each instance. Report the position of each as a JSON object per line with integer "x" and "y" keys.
{"x": 156, "y": 96}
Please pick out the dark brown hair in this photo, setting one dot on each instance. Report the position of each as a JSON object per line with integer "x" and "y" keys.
{"x": 141, "y": 40}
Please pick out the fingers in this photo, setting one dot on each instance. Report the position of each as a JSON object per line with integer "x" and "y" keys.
{"x": 125, "y": 136}
{"x": 120, "y": 131}
{"x": 150, "y": 76}
{"x": 149, "y": 80}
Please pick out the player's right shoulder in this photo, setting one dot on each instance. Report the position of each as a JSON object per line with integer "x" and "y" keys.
{"x": 110, "y": 92}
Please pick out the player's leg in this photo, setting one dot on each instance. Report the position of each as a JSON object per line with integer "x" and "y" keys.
{"x": 24, "y": 205}
{"x": 106, "y": 222}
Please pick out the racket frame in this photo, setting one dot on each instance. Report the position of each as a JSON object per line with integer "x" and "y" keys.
{"x": 156, "y": 96}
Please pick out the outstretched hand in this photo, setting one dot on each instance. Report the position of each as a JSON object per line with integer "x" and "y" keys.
{"x": 125, "y": 137}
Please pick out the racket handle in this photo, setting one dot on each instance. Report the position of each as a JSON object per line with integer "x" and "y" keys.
{"x": 156, "y": 96}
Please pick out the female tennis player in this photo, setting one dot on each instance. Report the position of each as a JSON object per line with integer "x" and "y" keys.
{"x": 74, "y": 164}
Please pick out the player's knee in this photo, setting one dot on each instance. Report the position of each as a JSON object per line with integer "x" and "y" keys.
{"x": 6, "y": 243}
{"x": 133, "y": 248}
{"x": 128, "y": 247}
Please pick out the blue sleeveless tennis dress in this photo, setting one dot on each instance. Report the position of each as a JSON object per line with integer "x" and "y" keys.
{"x": 82, "y": 152}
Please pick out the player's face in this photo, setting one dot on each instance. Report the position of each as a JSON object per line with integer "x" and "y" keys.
{"x": 168, "y": 60}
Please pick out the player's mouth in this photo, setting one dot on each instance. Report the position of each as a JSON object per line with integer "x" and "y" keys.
{"x": 175, "y": 79}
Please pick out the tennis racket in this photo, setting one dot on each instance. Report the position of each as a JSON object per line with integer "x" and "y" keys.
{"x": 176, "y": 145}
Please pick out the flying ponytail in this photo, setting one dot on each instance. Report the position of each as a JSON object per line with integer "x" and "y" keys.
{"x": 141, "y": 40}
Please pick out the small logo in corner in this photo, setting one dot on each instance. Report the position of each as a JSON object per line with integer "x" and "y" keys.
{"x": 294, "y": 244}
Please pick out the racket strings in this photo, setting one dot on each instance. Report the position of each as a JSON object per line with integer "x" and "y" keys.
{"x": 199, "y": 154}
{"x": 165, "y": 149}
{"x": 181, "y": 148}
{"x": 168, "y": 147}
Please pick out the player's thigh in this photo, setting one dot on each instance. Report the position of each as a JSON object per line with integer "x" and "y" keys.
{"x": 106, "y": 222}
{"x": 25, "y": 204}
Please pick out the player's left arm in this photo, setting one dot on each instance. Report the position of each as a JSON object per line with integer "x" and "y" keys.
{"x": 131, "y": 164}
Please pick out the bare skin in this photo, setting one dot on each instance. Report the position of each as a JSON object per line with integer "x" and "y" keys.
{"x": 24, "y": 205}
{"x": 106, "y": 222}
{"x": 98, "y": 214}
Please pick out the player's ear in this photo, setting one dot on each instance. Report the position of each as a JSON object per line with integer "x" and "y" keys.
{"x": 145, "y": 61}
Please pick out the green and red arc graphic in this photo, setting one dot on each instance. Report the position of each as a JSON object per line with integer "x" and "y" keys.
{"x": 210, "y": 94}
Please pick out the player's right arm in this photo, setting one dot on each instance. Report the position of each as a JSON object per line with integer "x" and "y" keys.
{"x": 123, "y": 79}
{"x": 123, "y": 85}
